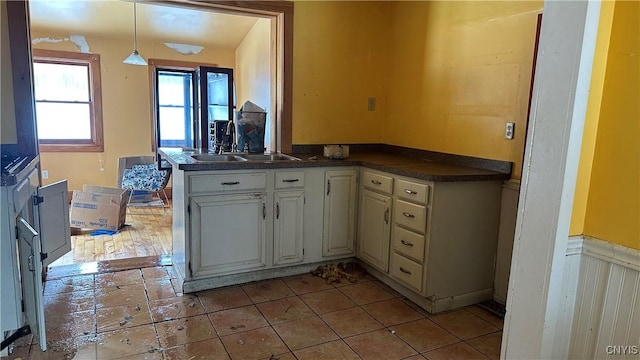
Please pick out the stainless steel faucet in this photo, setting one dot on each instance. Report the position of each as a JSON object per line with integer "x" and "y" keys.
{"x": 231, "y": 130}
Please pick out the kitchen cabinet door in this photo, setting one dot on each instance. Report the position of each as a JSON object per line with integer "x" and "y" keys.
{"x": 288, "y": 229}
{"x": 53, "y": 217}
{"x": 228, "y": 233}
{"x": 374, "y": 229}
{"x": 339, "y": 212}
{"x": 32, "y": 284}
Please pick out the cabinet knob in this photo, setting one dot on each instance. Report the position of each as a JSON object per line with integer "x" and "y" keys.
{"x": 405, "y": 270}
{"x": 405, "y": 243}
{"x": 406, "y": 214}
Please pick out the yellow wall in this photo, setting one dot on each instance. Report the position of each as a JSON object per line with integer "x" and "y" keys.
{"x": 125, "y": 101}
{"x": 340, "y": 57}
{"x": 253, "y": 71}
{"x": 447, "y": 75}
{"x": 591, "y": 118}
{"x": 613, "y": 205}
{"x": 459, "y": 72}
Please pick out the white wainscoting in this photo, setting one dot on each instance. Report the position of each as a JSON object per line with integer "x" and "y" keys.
{"x": 606, "y": 314}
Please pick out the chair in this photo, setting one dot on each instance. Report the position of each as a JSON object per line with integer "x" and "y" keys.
{"x": 145, "y": 177}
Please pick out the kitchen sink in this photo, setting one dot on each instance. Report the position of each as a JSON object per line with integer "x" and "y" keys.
{"x": 269, "y": 157}
{"x": 217, "y": 157}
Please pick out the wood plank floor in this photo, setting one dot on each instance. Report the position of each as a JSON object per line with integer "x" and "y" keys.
{"x": 148, "y": 233}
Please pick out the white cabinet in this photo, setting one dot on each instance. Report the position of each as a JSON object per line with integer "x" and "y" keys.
{"x": 374, "y": 228}
{"x": 410, "y": 230}
{"x": 229, "y": 222}
{"x": 288, "y": 227}
{"x": 339, "y": 212}
{"x": 227, "y": 233}
{"x": 53, "y": 216}
{"x": 443, "y": 237}
{"x": 374, "y": 218}
{"x": 35, "y": 232}
{"x": 434, "y": 242}
{"x": 288, "y": 217}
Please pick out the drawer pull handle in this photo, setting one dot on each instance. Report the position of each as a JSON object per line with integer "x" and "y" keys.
{"x": 230, "y": 183}
{"x": 405, "y": 243}
{"x": 411, "y": 192}
{"x": 406, "y": 214}
{"x": 386, "y": 216}
{"x": 376, "y": 182}
{"x": 290, "y": 180}
{"x": 405, "y": 270}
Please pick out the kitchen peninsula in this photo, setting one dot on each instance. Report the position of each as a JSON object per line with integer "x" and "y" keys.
{"x": 424, "y": 223}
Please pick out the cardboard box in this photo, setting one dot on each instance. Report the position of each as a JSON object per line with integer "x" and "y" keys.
{"x": 98, "y": 207}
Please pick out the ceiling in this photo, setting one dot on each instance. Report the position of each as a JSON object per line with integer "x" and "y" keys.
{"x": 156, "y": 23}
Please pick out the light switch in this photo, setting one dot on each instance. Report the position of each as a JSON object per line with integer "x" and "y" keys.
{"x": 508, "y": 130}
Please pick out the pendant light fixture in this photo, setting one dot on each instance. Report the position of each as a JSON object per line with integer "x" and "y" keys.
{"x": 135, "y": 58}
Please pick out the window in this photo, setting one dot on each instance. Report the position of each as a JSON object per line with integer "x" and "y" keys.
{"x": 175, "y": 108}
{"x": 177, "y": 123}
{"x": 281, "y": 15}
{"x": 68, "y": 101}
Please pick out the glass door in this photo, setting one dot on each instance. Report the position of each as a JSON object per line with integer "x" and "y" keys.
{"x": 176, "y": 124}
{"x": 216, "y": 106}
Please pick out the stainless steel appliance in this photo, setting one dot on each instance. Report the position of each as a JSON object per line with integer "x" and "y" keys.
{"x": 35, "y": 220}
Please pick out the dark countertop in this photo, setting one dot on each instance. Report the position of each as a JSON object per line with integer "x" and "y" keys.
{"x": 415, "y": 167}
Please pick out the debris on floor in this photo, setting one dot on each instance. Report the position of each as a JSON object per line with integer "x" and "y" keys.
{"x": 334, "y": 273}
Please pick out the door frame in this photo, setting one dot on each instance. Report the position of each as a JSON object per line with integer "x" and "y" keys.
{"x": 281, "y": 15}
{"x": 563, "y": 72}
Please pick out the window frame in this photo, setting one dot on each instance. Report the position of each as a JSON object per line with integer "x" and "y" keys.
{"x": 96, "y": 143}
{"x": 281, "y": 13}
{"x": 188, "y": 107}
{"x": 154, "y": 66}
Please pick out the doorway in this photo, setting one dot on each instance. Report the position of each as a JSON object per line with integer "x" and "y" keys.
{"x": 155, "y": 226}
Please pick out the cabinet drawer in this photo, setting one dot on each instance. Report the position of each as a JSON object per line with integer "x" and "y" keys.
{"x": 411, "y": 216}
{"x": 408, "y": 243}
{"x": 415, "y": 192}
{"x": 377, "y": 182}
{"x": 407, "y": 271}
{"x": 227, "y": 182}
{"x": 289, "y": 179}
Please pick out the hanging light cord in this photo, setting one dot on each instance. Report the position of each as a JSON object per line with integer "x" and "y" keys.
{"x": 135, "y": 28}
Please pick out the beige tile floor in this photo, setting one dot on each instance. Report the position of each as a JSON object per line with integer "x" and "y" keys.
{"x": 137, "y": 314}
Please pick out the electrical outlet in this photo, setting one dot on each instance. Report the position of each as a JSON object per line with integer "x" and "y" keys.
{"x": 45, "y": 174}
{"x": 371, "y": 104}
{"x": 508, "y": 130}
